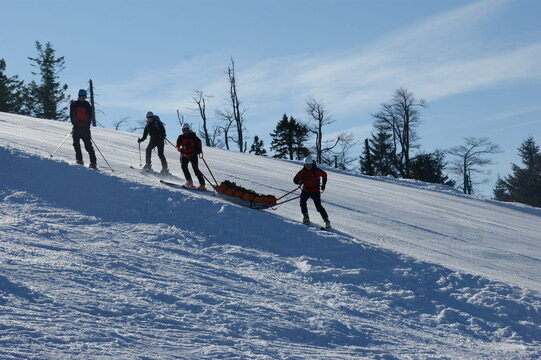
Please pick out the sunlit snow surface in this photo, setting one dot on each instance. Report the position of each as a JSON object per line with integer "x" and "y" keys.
{"x": 103, "y": 265}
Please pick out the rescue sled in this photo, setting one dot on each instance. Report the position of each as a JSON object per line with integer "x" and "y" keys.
{"x": 238, "y": 195}
{"x": 244, "y": 197}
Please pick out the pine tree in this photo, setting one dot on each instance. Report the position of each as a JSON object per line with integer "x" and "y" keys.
{"x": 49, "y": 94}
{"x": 282, "y": 139}
{"x": 300, "y": 136}
{"x": 383, "y": 156}
{"x": 524, "y": 185}
{"x": 429, "y": 168}
{"x": 500, "y": 190}
{"x": 258, "y": 147}
{"x": 288, "y": 139}
{"x": 11, "y": 92}
{"x": 367, "y": 166}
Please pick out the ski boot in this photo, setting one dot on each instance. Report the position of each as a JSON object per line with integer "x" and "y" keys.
{"x": 189, "y": 184}
{"x": 147, "y": 167}
{"x": 327, "y": 224}
{"x": 306, "y": 220}
{"x": 93, "y": 166}
{"x": 165, "y": 172}
{"x": 79, "y": 162}
{"x": 202, "y": 187}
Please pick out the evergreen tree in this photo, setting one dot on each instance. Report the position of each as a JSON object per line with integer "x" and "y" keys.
{"x": 300, "y": 136}
{"x": 11, "y": 92}
{"x": 383, "y": 155}
{"x": 500, "y": 190}
{"x": 282, "y": 139}
{"x": 524, "y": 185}
{"x": 288, "y": 139}
{"x": 49, "y": 94}
{"x": 429, "y": 168}
{"x": 367, "y": 166}
{"x": 258, "y": 147}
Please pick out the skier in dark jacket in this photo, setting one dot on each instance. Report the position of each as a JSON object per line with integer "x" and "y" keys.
{"x": 156, "y": 130}
{"x": 81, "y": 115}
{"x": 309, "y": 178}
{"x": 190, "y": 146}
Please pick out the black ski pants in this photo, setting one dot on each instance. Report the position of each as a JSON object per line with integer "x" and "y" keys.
{"x": 160, "y": 144}
{"x": 83, "y": 133}
{"x": 316, "y": 197}
{"x": 184, "y": 161}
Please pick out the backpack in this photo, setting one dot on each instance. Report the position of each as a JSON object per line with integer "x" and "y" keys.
{"x": 160, "y": 125}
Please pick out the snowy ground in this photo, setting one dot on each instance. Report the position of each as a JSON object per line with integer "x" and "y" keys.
{"x": 102, "y": 265}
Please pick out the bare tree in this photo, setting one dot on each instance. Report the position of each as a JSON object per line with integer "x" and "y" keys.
{"x": 215, "y": 137}
{"x": 341, "y": 151}
{"x": 400, "y": 117}
{"x": 236, "y": 113}
{"x": 317, "y": 111}
{"x": 138, "y": 125}
{"x": 199, "y": 99}
{"x": 180, "y": 118}
{"x": 92, "y": 102}
{"x": 227, "y": 119}
{"x": 119, "y": 123}
{"x": 470, "y": 159}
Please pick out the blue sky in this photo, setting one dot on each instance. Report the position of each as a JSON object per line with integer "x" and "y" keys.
{"x": 476, "y": 63}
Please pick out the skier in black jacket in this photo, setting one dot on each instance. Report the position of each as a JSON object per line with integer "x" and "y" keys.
{"x": 80, "y": 115}
{"x": 156, "y": 130}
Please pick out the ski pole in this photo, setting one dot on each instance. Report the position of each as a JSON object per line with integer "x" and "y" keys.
{"x": 140, "y": 161}
{"x": 59, "y": 146}
{"x": 102, "y": 154}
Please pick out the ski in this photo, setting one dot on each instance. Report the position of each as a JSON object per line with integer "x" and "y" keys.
{"x": 173, "y": 184}
{"x": 151, "y": 171}
{"x": 177, "y": 185}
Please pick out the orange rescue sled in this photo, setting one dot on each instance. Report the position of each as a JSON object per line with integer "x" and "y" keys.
{"x": 241, "y": 196}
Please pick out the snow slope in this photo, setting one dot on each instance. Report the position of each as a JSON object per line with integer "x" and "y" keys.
{"x": 116, "y": 265}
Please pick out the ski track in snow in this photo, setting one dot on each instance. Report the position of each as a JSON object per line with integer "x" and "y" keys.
{"x": 96, "y": 265}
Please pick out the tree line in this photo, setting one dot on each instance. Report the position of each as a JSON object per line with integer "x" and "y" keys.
{"x": 393, "y": 148}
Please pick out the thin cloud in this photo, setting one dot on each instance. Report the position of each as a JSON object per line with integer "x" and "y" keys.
{"x": 435, "y": 58}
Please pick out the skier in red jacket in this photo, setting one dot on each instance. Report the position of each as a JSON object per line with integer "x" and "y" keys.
{"x": 309, "y": 178}
{"x": 80, "y": 115}
{"x": 190, "y": 146}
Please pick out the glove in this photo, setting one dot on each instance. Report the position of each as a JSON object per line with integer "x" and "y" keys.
{"x": 323, "y": 187}
{"x": 139, "y": 140}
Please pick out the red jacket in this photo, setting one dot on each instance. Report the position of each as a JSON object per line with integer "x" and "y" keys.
{"x": 189, "y": 145}
{"x": 310, "y": 179}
